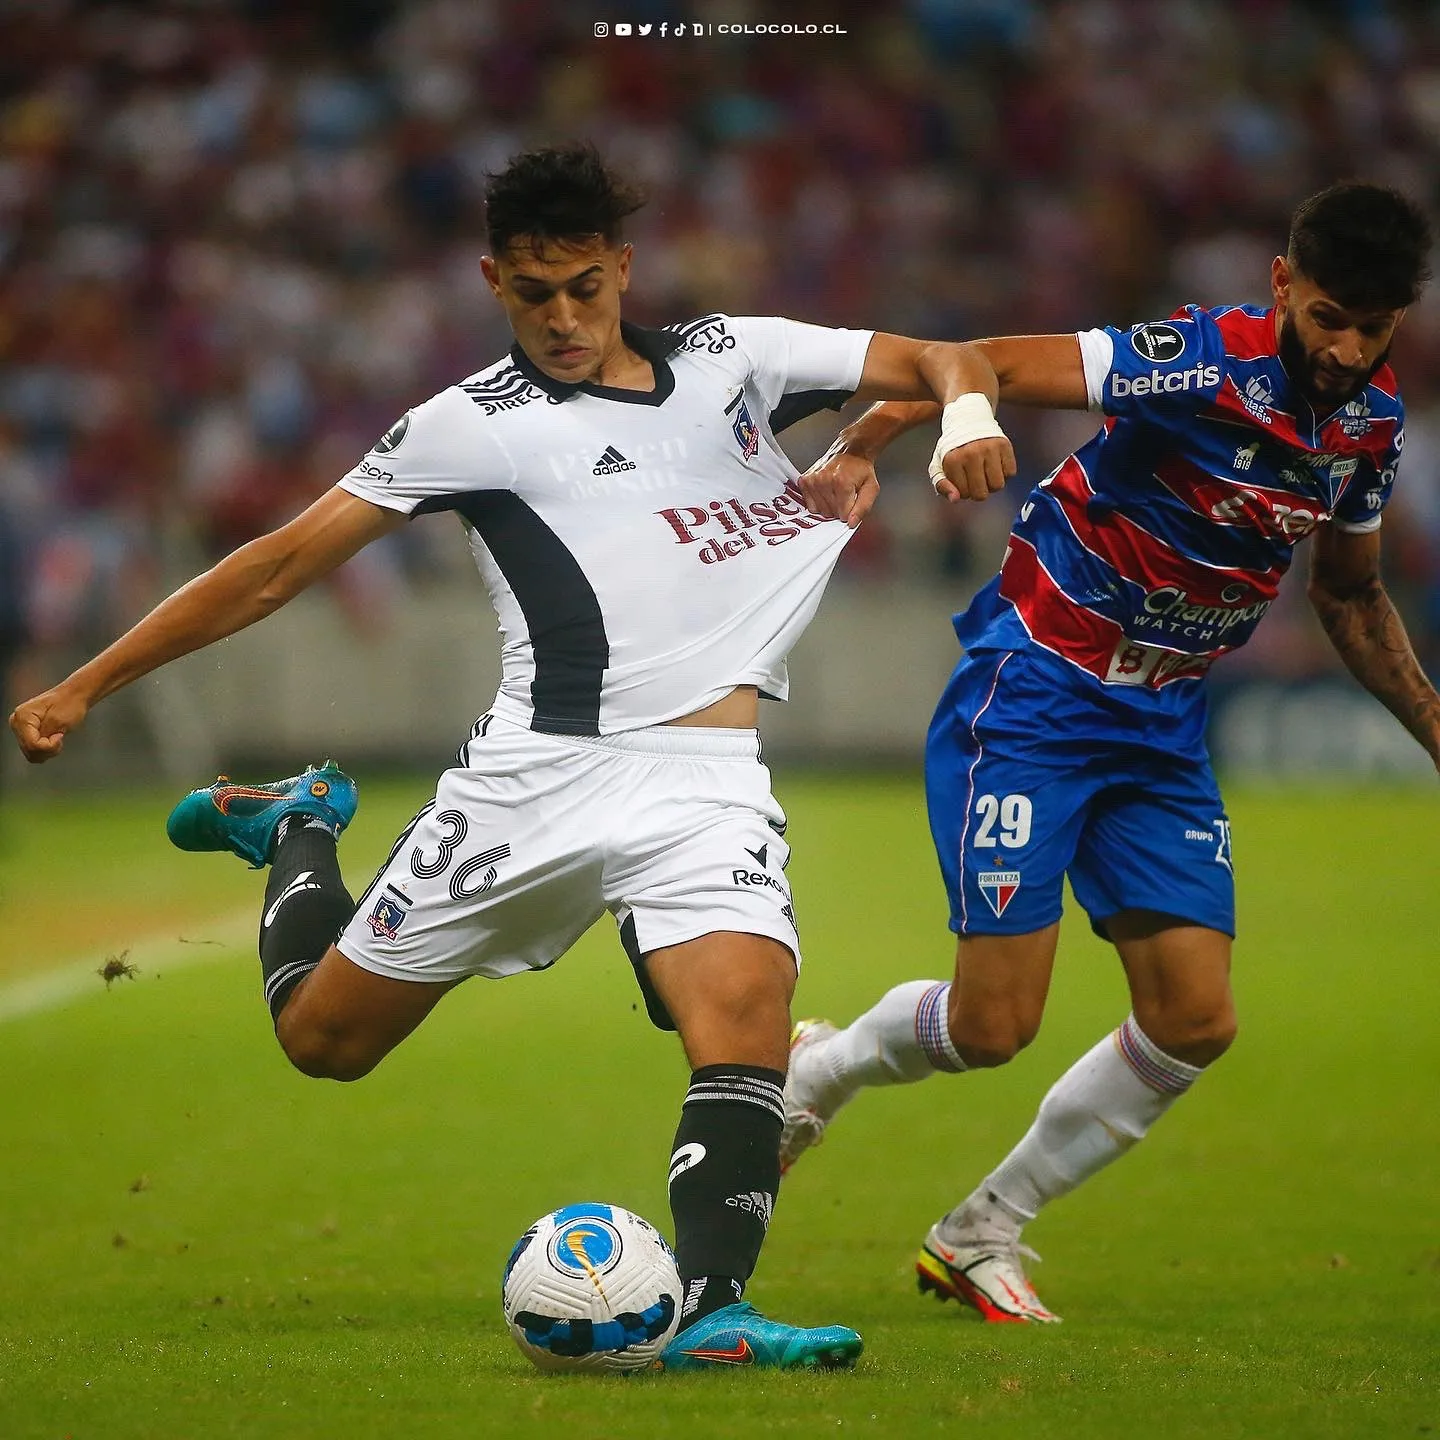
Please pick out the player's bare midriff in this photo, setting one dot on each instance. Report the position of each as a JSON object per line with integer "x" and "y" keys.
{"x": 739, "y": 710}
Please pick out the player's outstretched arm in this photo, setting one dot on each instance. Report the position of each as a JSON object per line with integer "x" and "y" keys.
{"x": 1363, "y": 624}
{"x": 973, "y": 458}
{"x": 244, "y": 587}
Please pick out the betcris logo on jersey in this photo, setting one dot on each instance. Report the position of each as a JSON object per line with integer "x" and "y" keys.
{"x": 1160, "y": 344}
{"x": 1165, "y": 382}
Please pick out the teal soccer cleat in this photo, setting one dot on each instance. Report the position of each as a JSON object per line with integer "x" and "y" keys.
{"x": 740, "y": 1335}
{"x": 242, "y": 818}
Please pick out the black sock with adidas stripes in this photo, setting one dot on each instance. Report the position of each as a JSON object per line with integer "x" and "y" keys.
{"x": 724, "y": 1174}
{"x": 306, "y": 906}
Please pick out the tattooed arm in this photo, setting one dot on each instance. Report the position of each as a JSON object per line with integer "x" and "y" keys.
{"x": 1364, "y": 626}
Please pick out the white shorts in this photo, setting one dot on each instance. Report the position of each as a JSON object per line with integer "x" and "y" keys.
{"x": 672, "y": 829}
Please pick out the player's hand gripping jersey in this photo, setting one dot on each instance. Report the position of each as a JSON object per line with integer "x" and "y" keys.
{"x": 1161, "y": 543}
{"x": 646, "y": 552}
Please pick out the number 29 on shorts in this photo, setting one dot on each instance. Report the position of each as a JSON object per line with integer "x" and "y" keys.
{"x": 1003, "y": 821}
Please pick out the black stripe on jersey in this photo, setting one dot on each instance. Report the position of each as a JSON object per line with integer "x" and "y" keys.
{"x": 804, "y": 403}
{"x": 562, "y": 614}
{"x": 505, "y": 376}
{"x": 502, "y": 391}
{"x": 684, "y": 329}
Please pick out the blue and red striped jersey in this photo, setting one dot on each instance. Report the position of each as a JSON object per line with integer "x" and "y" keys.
{"x": 1160, "y": 544}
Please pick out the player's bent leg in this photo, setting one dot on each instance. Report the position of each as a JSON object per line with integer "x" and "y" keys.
{"x": 987, "y": 1014}
{"x": 334, "y": 1019}
{"x": 1179, "y": 976}
{"x": 1099, "y": 1109}
{"x": 342, "y": 1019}
{"x": 729, "y": 996}
{"x": 997, "y": 999}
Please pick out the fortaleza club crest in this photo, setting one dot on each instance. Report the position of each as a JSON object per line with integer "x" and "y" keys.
{"x": 744, "y": 427}
{"x": 999, "y": 887}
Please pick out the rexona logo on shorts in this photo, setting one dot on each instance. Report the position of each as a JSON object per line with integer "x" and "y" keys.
{"x": 1157, "y": 342}
{"x": 758, "y": 880}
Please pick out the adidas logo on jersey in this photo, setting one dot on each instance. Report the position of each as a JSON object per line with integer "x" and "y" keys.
{"x": 612, "y": 462}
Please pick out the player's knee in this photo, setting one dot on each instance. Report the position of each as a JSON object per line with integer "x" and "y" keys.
{"x": 986, "y": 1041}
{"x": 1196, "y": 1034}
{"x": 324, "y": 1054}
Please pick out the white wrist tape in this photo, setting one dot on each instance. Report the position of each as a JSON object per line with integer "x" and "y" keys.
{"x": 966, "y": 418}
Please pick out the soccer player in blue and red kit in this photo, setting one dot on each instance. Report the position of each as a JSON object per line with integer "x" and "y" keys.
{"x": 1071, "y": 737}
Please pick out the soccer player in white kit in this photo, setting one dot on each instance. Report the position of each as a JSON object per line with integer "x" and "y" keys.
{"x": 645, "y": 545}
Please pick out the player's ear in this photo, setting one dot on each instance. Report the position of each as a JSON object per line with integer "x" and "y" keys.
{"x": 1280, "y": 279}
{"x": 622, "y": 268}
{"x": 491, "y": 271}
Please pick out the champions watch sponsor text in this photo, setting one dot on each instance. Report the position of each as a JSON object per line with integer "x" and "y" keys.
{"x": 726, "y": 528}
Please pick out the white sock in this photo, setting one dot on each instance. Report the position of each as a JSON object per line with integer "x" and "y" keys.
{"x": 1096, "y": 1111}
{"x": 903, "y": 1038}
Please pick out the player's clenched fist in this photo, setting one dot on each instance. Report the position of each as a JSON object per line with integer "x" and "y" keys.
{"x": 973, "y": 457}
{"x": 41, "y": 724}
{"x": 975, "y": 471}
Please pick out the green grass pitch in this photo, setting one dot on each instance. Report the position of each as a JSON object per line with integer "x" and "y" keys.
{"x": 196, "y": 1241}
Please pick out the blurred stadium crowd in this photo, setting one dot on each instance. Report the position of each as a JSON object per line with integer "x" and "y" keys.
{"x": 236, "y": 240}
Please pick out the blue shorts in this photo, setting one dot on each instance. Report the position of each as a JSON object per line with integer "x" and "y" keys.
{"x": 1033, "y": 771}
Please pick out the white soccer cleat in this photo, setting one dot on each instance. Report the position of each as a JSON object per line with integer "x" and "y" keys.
{"x": 805, "y": 1115}
{"x": 986, "y": 1274}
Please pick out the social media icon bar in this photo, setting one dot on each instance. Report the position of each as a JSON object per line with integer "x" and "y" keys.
{"x": 623, "y": 29}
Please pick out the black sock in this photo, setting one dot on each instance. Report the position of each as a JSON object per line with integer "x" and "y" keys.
{"x": 306, "y": 907}
{"x": 724, "y": 1173}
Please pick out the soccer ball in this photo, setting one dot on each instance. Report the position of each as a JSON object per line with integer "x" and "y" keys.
{"x": 591, "y": 1287}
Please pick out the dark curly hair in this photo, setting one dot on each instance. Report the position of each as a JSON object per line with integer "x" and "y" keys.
{"x": 1365, "y": 245}
{"x": 565, "y": 194}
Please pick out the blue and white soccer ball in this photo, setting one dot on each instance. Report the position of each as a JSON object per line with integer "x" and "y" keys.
{"x": 591, "y": 1287}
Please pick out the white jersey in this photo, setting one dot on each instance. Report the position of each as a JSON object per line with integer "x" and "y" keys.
{"x": 645, "y": 551}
